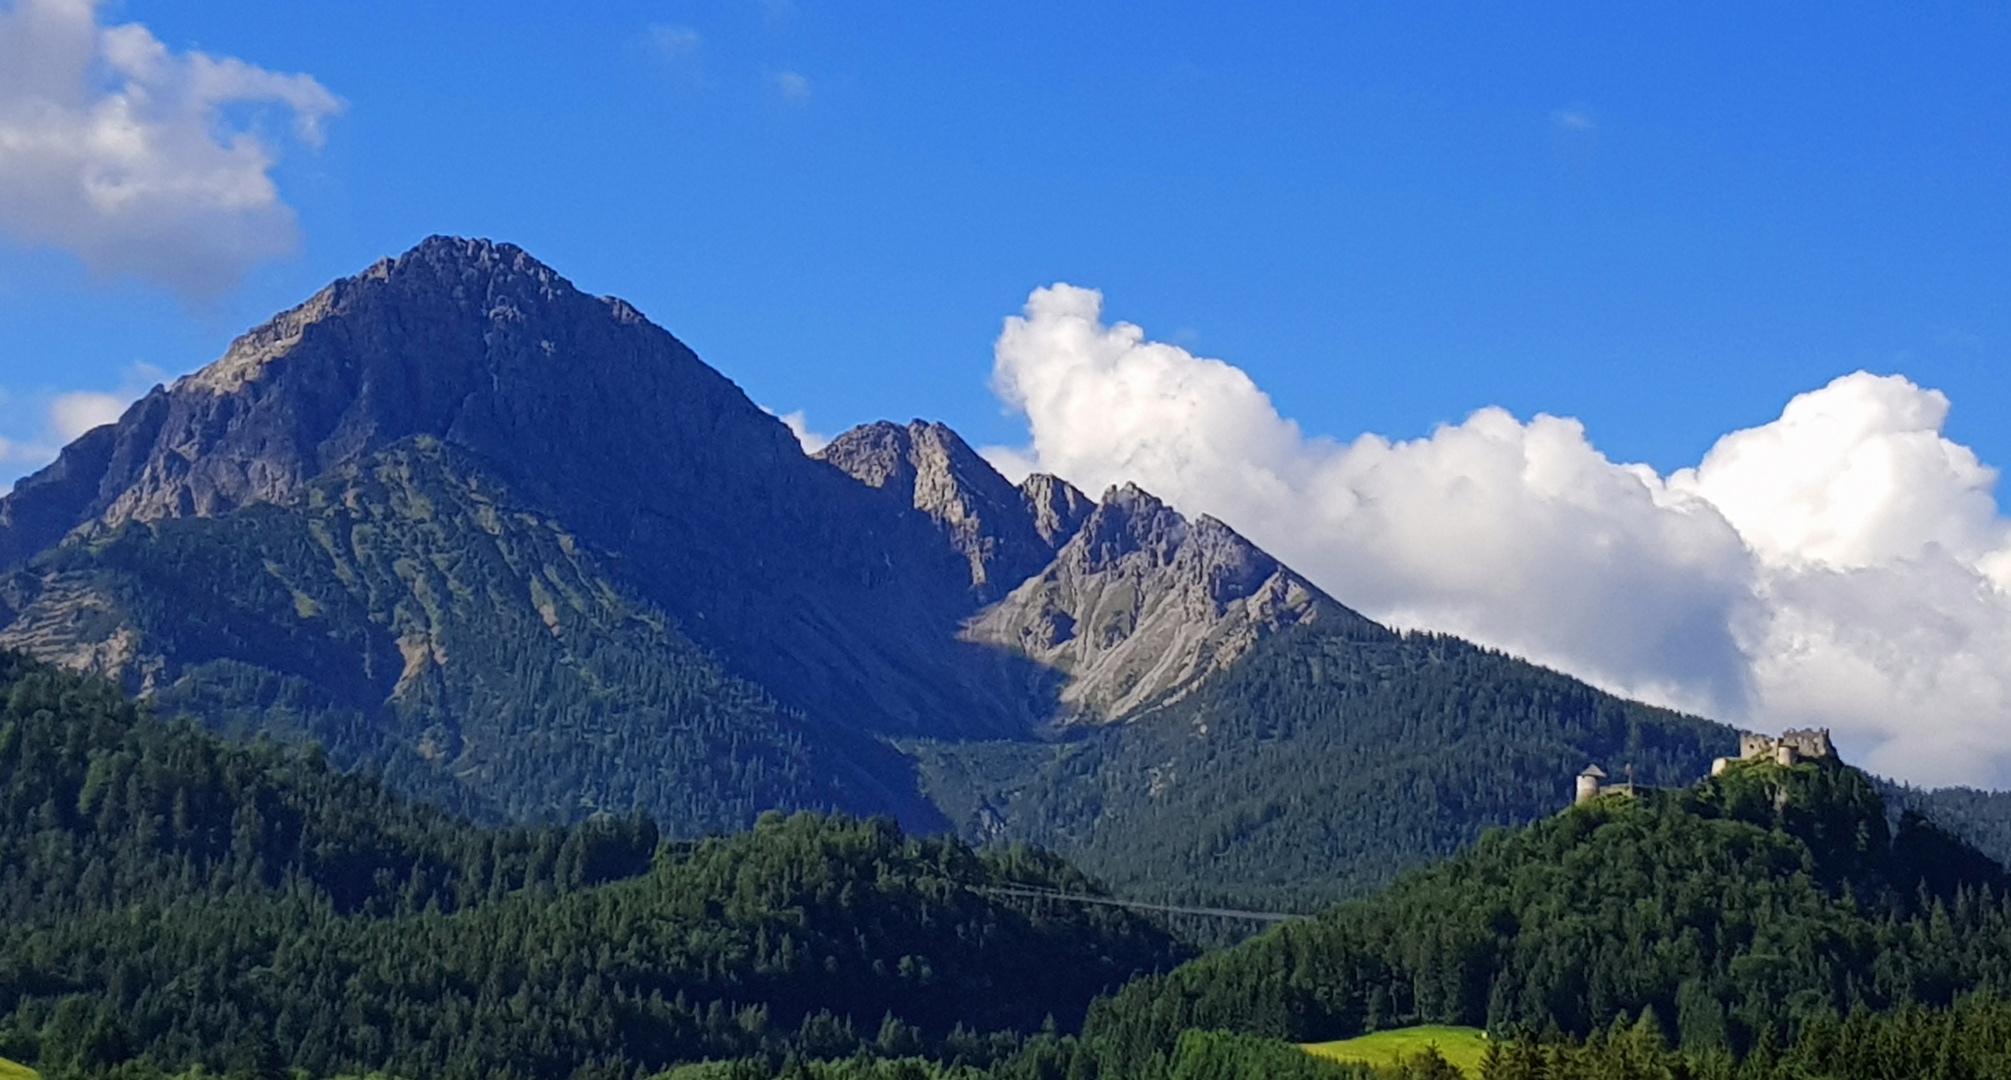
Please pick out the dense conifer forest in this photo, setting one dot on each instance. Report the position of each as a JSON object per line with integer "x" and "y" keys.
{"x": 169, "y": 900}
{"x": 1316, "y": 768}
{"x": 172, "y": 903}
{"x": 1747, "y": 903}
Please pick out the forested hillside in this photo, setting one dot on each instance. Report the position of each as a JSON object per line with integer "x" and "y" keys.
{"x": 1316, "y": 768}
{"x": 175, "y": 900}
{"x": 1746, "y": 903}
{"x": 413, "y": 617}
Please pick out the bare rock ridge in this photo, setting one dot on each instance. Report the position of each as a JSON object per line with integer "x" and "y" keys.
{"x": 1142, "y": 604}
{"x": 894, "y": 584}
{"x": 1058, "y": 509}
{"x": 1006, "y": 533}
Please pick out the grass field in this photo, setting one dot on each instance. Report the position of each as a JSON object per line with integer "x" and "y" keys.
{"x": 1462, "y": 1046}
{"x": 11, "y": 1071}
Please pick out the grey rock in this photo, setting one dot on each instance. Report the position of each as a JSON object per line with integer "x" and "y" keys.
{"x": 1004, "y": 533}
{"x": 1142, "y": 604}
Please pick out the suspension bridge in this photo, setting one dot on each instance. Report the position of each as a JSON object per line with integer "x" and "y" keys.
{"x": 1029, "y": 892}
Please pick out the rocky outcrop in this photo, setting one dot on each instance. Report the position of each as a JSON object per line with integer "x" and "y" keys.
{"x": 1058, "y": 509}
{"x": 1141, "y": 604}
{"x": 1006, "y": 533}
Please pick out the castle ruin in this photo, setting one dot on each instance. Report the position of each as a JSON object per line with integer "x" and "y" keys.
{"x": 1787, "y": 748}
{"x": 1592, "y": 784}
{"x": 1792, "y": 746}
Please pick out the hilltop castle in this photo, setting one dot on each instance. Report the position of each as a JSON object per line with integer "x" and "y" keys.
{"x": 1791, "y": 746}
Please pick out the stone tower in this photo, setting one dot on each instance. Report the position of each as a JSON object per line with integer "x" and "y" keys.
{"x": 1588, "y": 783}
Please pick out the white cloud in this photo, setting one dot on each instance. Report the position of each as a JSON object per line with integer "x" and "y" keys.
{"x": 793, "y": 85}
{"x": 133, "y": 157}
{"x": 1844, "y": 565}
{"x": 674, "y": 42}
{"x": 1574, "y": 120}
{"x": 799, "y": 426}
{"x": 42, "y": 423}
{"x": 72, "y": 414}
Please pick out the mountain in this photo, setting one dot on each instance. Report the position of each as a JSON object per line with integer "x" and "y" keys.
{"x": 999, "y": 528}
{"x": 520, "y": 552}
{"x": 586, "y": 411}
{"x": 171, "y": 900}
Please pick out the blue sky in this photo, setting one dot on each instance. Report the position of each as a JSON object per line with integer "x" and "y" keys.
{"x": 1664, "y": 223}
{"x": 1406, "y": 229}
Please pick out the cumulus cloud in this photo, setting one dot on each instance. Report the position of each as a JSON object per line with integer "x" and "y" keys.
{"x": 140, "y": 160}
{"x": 1844, "y": 565}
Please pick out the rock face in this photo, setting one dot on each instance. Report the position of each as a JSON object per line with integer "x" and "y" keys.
{"x": 1141, "y": 604}
{"x": 1006, "y": 533}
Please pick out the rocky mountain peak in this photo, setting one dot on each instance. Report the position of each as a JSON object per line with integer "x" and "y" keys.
{"x": 1130, "y": 521}
{"x": 1058, "y": 507}
{"x": 443, "y": 271}
{"x": 1141, "y": 604}
{"x": 998, "y": 528}
{"x": 468, "y": 341}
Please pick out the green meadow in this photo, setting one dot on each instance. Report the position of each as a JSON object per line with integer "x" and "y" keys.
{"x": 1462, "y": 1046}
{"x": 11, "y": 1071}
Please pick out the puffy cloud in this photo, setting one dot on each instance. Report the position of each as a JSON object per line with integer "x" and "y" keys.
{"x": 131, "y": 157}
{"x": 44, "y": 421}
{"x": 799, "y": 425}
{"x": 72, "y": 414}
{"x": 1853, "y": 475}
{"x": 1844, "y": 565}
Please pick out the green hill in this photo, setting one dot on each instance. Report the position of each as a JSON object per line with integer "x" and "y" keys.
{"x": 170, "y": 898}
{"x": 1743, "y": 904}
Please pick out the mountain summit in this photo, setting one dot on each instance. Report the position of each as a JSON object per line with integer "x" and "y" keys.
{"x": 332, "y": 477}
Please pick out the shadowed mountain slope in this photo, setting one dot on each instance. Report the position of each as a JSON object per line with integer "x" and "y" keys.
{"x": 407, "y": 613}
